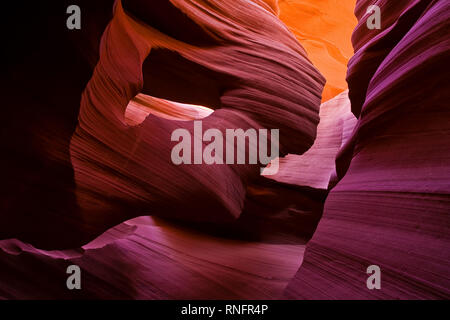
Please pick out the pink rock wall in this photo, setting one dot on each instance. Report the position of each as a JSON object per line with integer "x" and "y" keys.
{"x": 391, "y": 206}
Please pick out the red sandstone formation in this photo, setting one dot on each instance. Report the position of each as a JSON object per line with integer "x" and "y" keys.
{"x": 233, "y": 65}
{"x": 391, "y": 206}
{"x": 87, "y": 147}
{"x": 323, "y": 28}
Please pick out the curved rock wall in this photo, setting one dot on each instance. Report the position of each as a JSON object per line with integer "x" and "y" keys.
{"x": 391, "y": 206}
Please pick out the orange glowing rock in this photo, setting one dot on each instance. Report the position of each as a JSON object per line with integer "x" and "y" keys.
{"x": 324, "y": 29}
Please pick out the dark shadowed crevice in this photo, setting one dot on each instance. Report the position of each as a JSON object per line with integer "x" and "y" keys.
{"x": 165, "y": 17}
{"x": 170, "y": 76}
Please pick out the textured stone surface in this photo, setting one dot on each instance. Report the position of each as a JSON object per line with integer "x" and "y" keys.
{"x": 113, "y": 164}
{"x": 323, "y": 28}
{"x": 316, "y": 167}
{"x": 87, "y": 147}
{"x": 391, "y": 205}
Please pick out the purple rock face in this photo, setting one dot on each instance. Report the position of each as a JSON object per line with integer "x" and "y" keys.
{"x": 391, "y": 206}
{"x": 87, "y": 174}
